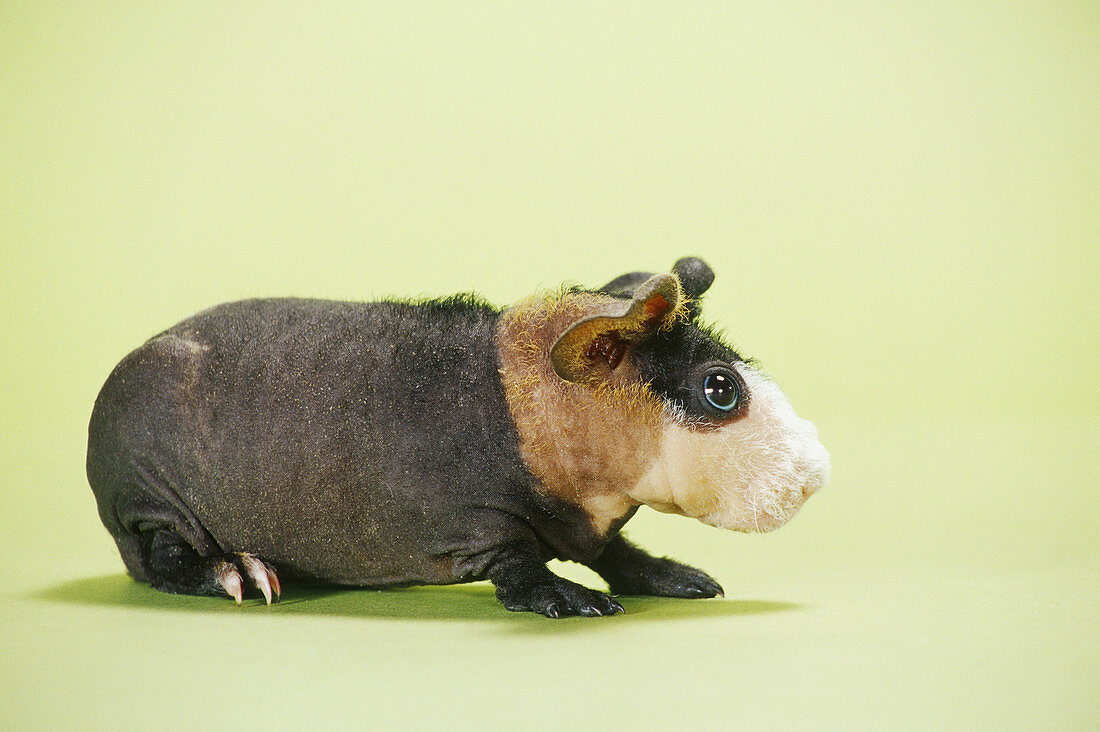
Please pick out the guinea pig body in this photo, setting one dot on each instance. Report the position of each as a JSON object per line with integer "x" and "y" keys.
{"x": 397, "y": 443}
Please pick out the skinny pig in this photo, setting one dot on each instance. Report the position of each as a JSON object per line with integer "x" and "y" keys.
{"x": 441, "y": 441}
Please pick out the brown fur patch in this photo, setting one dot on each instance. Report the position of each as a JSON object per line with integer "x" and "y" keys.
{"x": 612, "y": 325}
{"x": 587, "y": 444}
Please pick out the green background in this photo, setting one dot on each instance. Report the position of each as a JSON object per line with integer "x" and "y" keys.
{"x": 901, "y": 204}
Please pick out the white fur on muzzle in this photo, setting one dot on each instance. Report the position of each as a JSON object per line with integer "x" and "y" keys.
{"x": 752, "y": 474}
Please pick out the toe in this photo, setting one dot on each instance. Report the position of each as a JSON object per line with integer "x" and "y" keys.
{"x": 592, "y": 603}
{"x": 257, "y": 571}
{"x": 276, "y": 587}
{"x": 590, "y": 611}
{"x": 710, "y": 588}
{"x": 230, "y": 580}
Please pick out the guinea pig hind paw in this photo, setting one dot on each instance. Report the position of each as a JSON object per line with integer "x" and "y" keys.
{"x": 231, "y": 571}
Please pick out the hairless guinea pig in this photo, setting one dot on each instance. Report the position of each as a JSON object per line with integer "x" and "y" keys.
{"x": 442, "y": 441}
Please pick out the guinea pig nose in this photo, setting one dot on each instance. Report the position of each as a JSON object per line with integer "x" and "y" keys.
{"x": 814, "y": 480}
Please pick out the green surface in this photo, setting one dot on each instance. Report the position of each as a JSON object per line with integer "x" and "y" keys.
{"x": 901, "y": 203}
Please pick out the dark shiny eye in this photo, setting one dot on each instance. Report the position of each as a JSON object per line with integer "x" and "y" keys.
{"x": 720, "y": 391}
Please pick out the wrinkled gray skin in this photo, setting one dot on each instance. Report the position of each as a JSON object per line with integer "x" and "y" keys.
{"x": 358, "y": 443}
{"x": 364, "y": 444}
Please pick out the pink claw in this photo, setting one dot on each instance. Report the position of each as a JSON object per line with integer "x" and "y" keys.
{"x": 274, "y": 581}
{"x": 257, "y": 570}
{"x": 230, "y": 579}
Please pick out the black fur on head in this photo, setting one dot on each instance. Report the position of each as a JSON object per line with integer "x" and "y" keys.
{"x": 677, "y": 361}
{"x": 695, "y": 276}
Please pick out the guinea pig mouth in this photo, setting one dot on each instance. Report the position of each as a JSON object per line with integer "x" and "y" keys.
{"x": 751, "y": 519}
{"x": 763, "y": 506}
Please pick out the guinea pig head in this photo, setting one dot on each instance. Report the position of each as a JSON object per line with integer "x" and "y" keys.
{"x": 622, "y": 398}
{"x": 750, "y": 469}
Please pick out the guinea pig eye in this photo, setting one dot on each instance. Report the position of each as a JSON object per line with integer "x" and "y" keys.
{"x": 720, "y": 391}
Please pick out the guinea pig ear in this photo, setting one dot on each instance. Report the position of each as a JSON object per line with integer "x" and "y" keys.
{"x": 625, "y": 285}
{"x": 595, "y": 345}
{"x": 696, "y": 276}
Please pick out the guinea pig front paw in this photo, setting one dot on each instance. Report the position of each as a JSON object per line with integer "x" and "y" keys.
{"x": 557, "y": 598}
{"x": 664, "y": 578}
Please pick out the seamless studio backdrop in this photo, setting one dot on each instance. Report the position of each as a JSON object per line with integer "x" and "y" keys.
{"x": 900, "y": 203}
